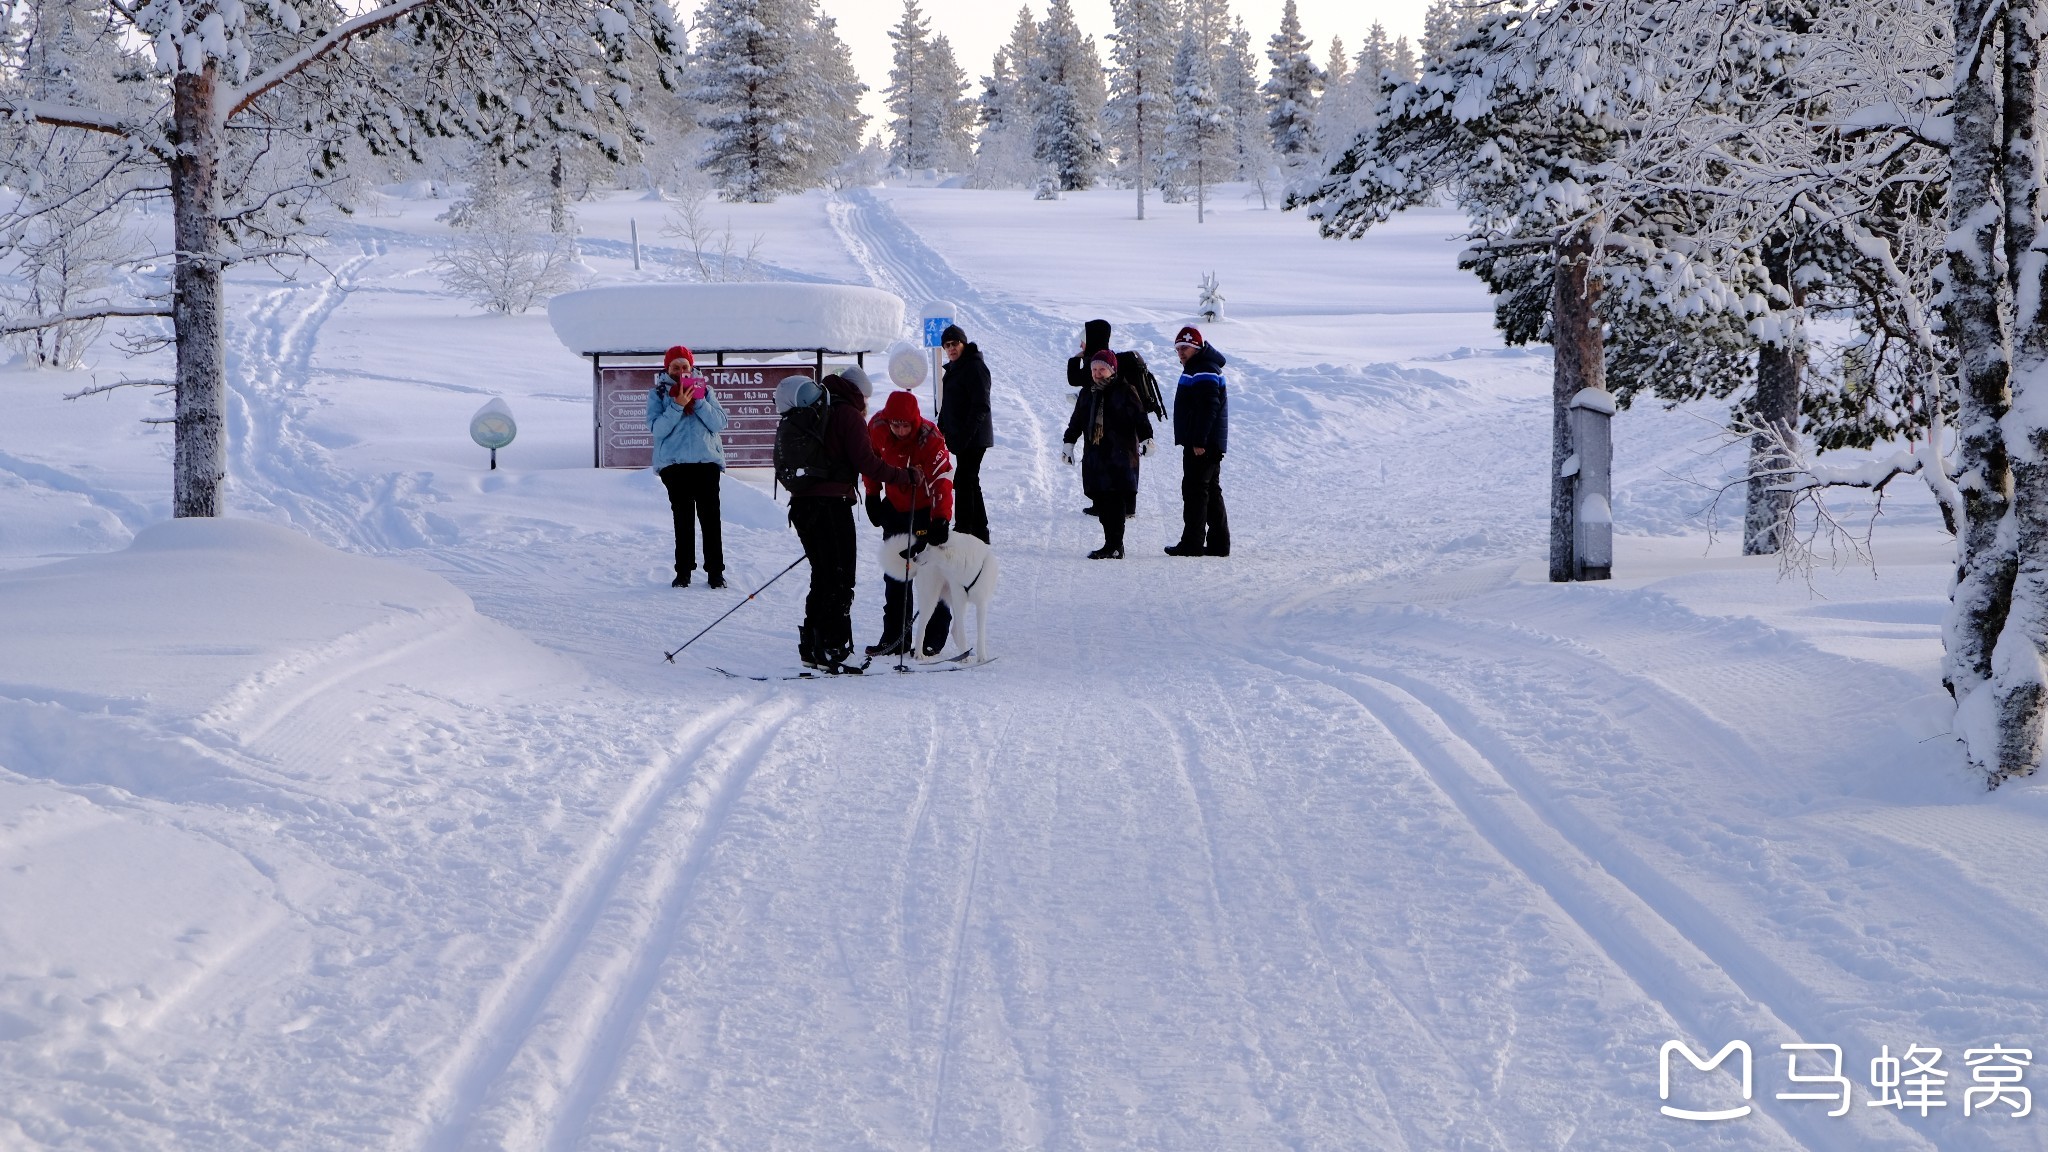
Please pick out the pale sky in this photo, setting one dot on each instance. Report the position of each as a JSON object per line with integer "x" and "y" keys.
{"x": 978, "y": 27}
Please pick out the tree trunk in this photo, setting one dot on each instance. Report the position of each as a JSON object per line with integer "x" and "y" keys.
{"x": 198, "y": 319}
{"x": 1976, "y": 322}
{"x": 2019, "y": 661}
{"x": 1780, "y": 362}
{"x": 1577, "y": 361}
{"x": 558, "y": 197}
{"x": 1983, "y": 350}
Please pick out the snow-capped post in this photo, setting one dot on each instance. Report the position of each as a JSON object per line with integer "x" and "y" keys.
{"x": 633, "y": 227}
{"x": 1590, "y": 469}
{"x": 493, "y": 427}
{"x": 937, "y": 316}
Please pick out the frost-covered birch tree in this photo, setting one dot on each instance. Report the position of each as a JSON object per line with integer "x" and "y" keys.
{"x": 227, "y": 73}
{"x": 71, "y": 238}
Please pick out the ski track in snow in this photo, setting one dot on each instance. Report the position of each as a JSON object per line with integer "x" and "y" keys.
{"x": 1050, "y": 903}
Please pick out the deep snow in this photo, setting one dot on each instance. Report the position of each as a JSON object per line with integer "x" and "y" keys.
{"x": 372, "y": 818}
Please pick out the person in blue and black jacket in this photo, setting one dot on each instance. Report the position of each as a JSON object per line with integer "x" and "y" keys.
{"x": 1201, "y": 426}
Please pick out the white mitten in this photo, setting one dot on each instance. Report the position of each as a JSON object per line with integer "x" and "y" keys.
{"x": 1067, "y": 454}
{"x": 1145, "y": 449}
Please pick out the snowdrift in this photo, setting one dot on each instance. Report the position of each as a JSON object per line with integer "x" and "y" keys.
{"x": 708, "y": 317}
{"x": 162, "y": 668}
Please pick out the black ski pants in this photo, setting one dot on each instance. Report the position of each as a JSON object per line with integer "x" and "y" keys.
{"x": 693, "y": 496}
{"x": 970, "y": 513}
{"x": 1204, "y": 526}
{"x": 825, "y": 525}
{"x": 1112, "y": 521}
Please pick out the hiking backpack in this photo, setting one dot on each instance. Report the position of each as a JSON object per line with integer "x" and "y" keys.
{"x": 800, "y": 460}
{"x": 1142, "y": 381}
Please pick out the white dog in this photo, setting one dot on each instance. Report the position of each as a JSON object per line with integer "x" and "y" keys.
{"x": 960, "y": 572}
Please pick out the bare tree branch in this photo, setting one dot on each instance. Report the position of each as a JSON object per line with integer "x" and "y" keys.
{"x": 79, "y": 314}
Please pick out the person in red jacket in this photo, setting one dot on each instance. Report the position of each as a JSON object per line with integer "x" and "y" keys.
{"x": 903, "y": 438}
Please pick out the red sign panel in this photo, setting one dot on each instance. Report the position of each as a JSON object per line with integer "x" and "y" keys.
{"x": 746, "y": 392}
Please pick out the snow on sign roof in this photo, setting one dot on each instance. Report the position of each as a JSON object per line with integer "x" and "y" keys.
{"x": 710, "y": 317}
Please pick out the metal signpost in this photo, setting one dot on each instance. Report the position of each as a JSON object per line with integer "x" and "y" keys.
{"x": 937, "y": 316}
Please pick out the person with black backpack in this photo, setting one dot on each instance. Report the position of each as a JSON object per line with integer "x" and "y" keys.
{"x": 821, "y": 448}
{"x": 1110, "y": 424}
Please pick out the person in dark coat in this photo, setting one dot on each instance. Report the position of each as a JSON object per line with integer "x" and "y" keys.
{"x": 1094, "y": 338}
{"x": 968, "y": 426}
{"x": 823, "y": 519}
{"x": 1110, "y": 423}
{"x": 1201, "y": 426}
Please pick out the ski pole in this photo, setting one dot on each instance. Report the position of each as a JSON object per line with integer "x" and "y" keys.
{"x": 671, "y": 657}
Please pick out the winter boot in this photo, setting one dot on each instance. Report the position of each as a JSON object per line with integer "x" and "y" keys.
{"x": 1183, "y": 550}
{"x": 714, "y": 580}
{"x": 807, "y": 647}
{"x": 682, "y": 580}
{"x": 895, "y": 611}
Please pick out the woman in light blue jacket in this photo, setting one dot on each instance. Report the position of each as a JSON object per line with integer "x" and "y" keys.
{"x": 686, "y": 420}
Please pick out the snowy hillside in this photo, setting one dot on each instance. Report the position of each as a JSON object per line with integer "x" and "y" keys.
{"x": 372, "y": 818}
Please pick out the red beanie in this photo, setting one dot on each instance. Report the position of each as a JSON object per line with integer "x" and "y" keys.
{"x": 678, "y": 353}
{"x": 902, "y": 406}
{"x": 1190, "y": 336}
{"x": 1104, "y": 357}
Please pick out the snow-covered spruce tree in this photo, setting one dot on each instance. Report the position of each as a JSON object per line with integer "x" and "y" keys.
{"x": 1445, "y": 22}
{"x": 1140, "y": 87}
{"x": 752, "y": 84}
{"x": 1002, "y": 155}
{"x": 1068, "y": 93}
{"x": 1237, "y": 91}
{"x": 70, "y": 235}
{"x": 836, "y": 124}
{"x": 229, "y": 70}
{"x": 1352, "y": 94}
{"x": 1501, "y": 126}
{"x": 1200, "y": 130}
{"x": 953, "y": 111}
{"x": 1292, "y": 90}
{"x": 912, "y": 124}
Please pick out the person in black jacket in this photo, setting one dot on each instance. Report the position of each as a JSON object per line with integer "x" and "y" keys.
{"x": 968, "y": 426}
{"x": 1201, "y": 426}
{"x": 1110, "y": 422}
{"x": 823, "y": 518}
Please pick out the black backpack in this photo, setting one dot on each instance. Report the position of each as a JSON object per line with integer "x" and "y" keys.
{"x": 1134, "y": 371}
{"x": 800, "y": 459}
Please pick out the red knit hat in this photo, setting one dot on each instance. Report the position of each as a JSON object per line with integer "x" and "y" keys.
{"x": 1103, "y": 357}
{"x": 678, "y": 353}
{"x": 1190, "y": 336}
{"x": 902, "y": 406}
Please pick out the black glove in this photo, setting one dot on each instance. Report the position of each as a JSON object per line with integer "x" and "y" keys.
{"x": 938, "y": 533}
{"x": 875, "y": 507}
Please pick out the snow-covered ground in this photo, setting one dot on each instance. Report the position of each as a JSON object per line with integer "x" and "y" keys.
{"x": 371, "y": 817}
